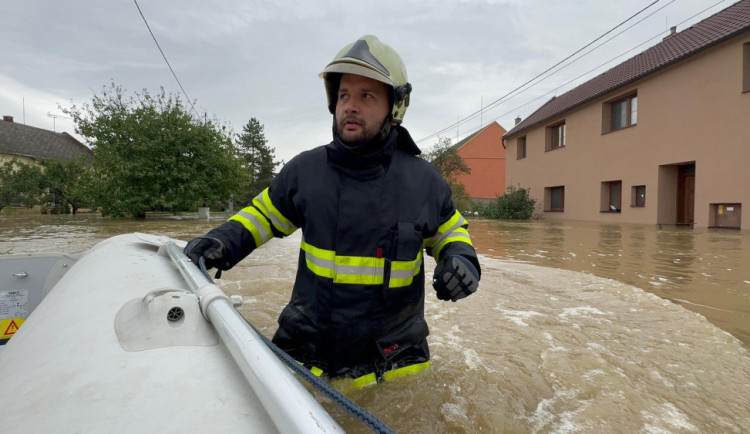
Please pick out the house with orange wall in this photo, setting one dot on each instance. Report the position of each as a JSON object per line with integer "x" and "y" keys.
{"x": 484, "y": 154}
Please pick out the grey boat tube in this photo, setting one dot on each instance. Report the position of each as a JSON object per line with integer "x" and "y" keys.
{"x": 289, "y": 405}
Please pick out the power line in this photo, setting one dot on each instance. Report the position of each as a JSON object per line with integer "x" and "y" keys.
{"x": 165, "y": 59}
{"x": 472, "y": 131}
{"x": 473, "y": 115}
{"x": 498, "y": 101}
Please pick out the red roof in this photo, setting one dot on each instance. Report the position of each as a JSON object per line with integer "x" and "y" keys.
{"x": 715, "y": 29}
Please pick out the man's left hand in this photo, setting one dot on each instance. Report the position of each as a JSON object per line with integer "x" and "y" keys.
{"x": 455, "y": 278}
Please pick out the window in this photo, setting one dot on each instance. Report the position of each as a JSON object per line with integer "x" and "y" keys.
{"x": 611, "y": 199}
{"x": 623, "y": 112}
{"x": 554, "y": 198}
{"x": 638, "y": 196}
{"x": 521, "y": 148}
{"x": 746, "y": 67}
{"x": 555, "y": 137}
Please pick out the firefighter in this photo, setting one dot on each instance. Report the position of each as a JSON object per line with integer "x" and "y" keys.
{"x": 369, "y": 209}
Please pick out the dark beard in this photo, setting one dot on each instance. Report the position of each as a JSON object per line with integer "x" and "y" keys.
{"x": 369, "y": 140}
{"x": 368, "y": 134}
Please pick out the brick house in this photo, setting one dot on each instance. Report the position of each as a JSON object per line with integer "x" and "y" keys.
{"x": 484, "y": 154}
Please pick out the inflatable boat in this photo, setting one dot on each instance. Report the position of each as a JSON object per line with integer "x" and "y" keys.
{"x": 130, "y": 336}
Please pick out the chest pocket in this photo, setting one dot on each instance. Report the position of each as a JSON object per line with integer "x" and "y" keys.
{"x": 409, "y": 241}
{"x": 408, "y": 258}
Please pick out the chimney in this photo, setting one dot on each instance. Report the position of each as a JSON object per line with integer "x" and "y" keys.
{"x": 518, "y": 120}
{"x": 672, "y": 32}
{"x": 8, "y": 118}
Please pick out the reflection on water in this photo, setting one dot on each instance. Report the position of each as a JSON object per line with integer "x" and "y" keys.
{"x": 536, "y": 349}
{"x": 705, "y": 270}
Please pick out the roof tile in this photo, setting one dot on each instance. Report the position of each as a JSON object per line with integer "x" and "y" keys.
{"x": 26, "y": 141}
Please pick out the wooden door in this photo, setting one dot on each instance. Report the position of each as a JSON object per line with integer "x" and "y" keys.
{"x": 686, "y": 195}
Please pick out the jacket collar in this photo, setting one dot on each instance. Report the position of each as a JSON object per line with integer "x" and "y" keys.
{"x": 341, "y": 154}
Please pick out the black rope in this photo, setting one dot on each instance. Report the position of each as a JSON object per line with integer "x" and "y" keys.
{"x": 319, "y": 384}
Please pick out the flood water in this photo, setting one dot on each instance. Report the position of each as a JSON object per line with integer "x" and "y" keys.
{"x": 576, "y": 327}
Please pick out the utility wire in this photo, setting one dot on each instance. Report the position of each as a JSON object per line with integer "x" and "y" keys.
{"x": 165, "y": 59}
{"x": 472, "y": 131}
{"x": 500, "y": 100}
{"x": 471, "y": 116}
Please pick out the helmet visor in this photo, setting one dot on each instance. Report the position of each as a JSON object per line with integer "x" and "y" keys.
{"x": 356, "y": 69}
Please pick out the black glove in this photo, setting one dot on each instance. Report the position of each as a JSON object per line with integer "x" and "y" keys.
{"x": 211, "y": 249}
{"x": 455, "y": 278}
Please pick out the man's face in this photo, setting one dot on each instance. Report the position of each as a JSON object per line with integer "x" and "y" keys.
{"x": 361, "y": 108}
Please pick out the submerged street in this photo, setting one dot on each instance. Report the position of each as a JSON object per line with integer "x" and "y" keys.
{"x": 622, "y": 328}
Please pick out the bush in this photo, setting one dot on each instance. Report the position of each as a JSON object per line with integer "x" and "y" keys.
{"x": 514, "y": 205}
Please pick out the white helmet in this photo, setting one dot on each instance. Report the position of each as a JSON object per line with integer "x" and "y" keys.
{"x": 369, "y": 57}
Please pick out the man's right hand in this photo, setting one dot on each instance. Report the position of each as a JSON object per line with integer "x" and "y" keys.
{"x": 211, "y": 249}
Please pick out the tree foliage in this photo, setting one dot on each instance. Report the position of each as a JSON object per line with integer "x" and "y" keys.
{"x": 450, "y": 165}
{"x": 67, "y": 185}
{"x": 20, "y": 184}
{"x": 515, "y": 204}
{"x": 257, "y": 159}
{"x": 150, "y": 154}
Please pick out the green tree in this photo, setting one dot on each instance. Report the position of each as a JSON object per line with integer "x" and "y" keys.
{"x": 515, "y": 204}
{"x": 20, "y": 184}
{"x": 450, "y": 165}
{"x": 67, "y": 185}
{"x": 150, "y": 154}
{"x": 258, "y": 159}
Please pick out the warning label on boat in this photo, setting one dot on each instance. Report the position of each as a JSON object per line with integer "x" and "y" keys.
{"x": 14, "y": 304}
{"x": 9, "y": 327}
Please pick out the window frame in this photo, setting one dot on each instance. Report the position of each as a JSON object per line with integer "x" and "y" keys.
{"x": 608, "y": 189}
{"x": 635, "y": 202}
{"x": 552, "y": 136}
{"x": 630, "y": 101}
{"x": 746, "y": 67}
{"x": 550, "y": 195}
{"x": 521, "y": 145}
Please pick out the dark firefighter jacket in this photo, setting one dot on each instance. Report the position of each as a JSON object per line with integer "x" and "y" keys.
{"x": 366, "y": 220}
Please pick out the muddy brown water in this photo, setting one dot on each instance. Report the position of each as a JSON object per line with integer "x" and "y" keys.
{"x": 576, "y": 327}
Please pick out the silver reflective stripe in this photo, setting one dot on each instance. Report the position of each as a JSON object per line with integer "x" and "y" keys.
{"x": 440, "y": 245}
{"x": 359, "y": 270}
{"x": 402, "y": 274}
{"x": 261, "y": 229}
{"x": 441, "y": 236}
{"x": 286, "y": 228}
{"x": 320, "y": 262}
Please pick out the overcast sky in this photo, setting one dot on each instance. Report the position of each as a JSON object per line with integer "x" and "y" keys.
{"x": 249, "y": 58}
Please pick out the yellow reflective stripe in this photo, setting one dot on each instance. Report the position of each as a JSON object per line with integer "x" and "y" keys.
{"x": 344, "y": 269}
{"x": 459, "y": 235}
{"x": 358, "y": 270}
{"x": 403, "y": 272}
{"x": 451, "y": 222}
{"x": 255, "y": 222}
{"x": 320, "y": 253}
{"x": 314, "y": 370}
{"x": 319, "y": 261}
{"x": 365, "y": 380}
{"x": 454, "y": 222}
{"x": 320, "y": 271}
{"x": 406, "y": 370}
{"x": 358, "y": 261}
{"x": 263, "y": 202}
